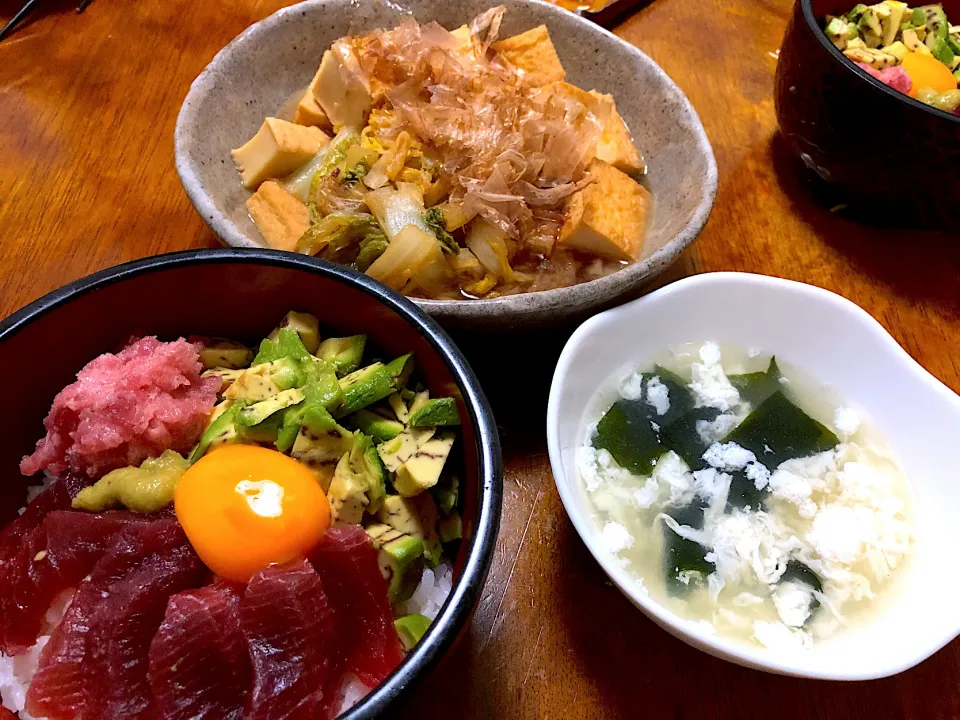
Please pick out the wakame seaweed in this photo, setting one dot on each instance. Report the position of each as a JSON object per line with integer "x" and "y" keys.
{"x": 778, "y": 430}
{"x": 757, "y": 386}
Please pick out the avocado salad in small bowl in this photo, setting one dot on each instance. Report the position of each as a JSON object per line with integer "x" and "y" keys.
{"x": 268, "y": 519}
{"x": 914, "y": 50}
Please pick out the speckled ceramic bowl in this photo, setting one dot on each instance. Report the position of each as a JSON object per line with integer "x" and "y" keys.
{"x": 261, "y": 70}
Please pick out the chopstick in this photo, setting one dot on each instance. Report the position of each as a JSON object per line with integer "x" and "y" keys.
{"x": 18, "y": 18}
{"x": 26, "y": 10}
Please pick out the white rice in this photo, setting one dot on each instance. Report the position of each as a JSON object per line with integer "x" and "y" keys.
{"x": 17, "y": 672}
{"x": 431, "y": 594}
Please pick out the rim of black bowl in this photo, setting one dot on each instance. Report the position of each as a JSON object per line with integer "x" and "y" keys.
{"x": 807, "y": 7}
{"x": 465, "y": 593}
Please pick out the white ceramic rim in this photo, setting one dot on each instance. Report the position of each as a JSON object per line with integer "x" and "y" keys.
{"x": 682, "y": 628}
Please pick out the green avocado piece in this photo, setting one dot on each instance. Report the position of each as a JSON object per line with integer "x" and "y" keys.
{"x": 422, "y": 470}
{"x": 264, "y": 380}
{"x": 935, "y": 20}
{"x": 257, "y": 413}
{"x": 777, "y": 430}
{"x": 221, "y": 431}
{"x": 436, "y": 412}
{"x": 303, "y": 324}
{"x": 918, "y": 18}
{"x": 345, "y": 353}
{"x": 445, "y": 493}
{"x": 450, "y": 527}
{"x": 220, "y": 353}
{"x": 377, "y": 426}
{"x": 401, "y": 560}
{"x": 359, "y": 483}
{"x": 364, "y": 387}
{"x": 320, "y": 438}
{"x": 415, "y": 516}
{"x": 287, "y": 345}
{"x": 943, "y": 52}
{"x": 854, "y": 14}
{"x": 145, "y": 489}
{"x": 400, "y": 370}
{"x": 758, "y": 386}
{"x": 410, "y": 628}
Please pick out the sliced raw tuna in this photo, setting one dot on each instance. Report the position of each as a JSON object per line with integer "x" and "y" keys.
{"x": 95, "y": 664}
{"x": 126, "y": 407}
{"x": 6, "y": 714}
{"x": 56, "y": 497}
{"x": 347, "y": 563}
{"x": 292, "y": 634}
{"x": 199, "y": 667}
{"x": 52, "y": 558}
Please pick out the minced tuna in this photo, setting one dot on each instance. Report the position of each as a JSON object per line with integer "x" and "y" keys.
{"x": 126, "y": 407}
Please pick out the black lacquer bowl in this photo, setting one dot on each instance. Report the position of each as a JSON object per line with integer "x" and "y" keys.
{"x": 893, "y": 156}
{"x": 241, "y": 294}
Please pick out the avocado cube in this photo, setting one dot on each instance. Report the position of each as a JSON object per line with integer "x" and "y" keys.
{"x": 304, "y": 324}
{"x": 253, "y": 415}
{"x": 219, "y": 353}
{"x": 450, "y": 527}
{"x": 410, "y": 629}
{"x": 436, "y": 412}
{"x": 227, "y": 377}
{"x": 417, "y": 517}
{"x": 347, "y": 494}
{"x": 287, "y": 345}
{"x": 222, "y": 430}
{"x": 404, "y": 446}
{"x": 344, "y": 353}
{"x": 399, "y": 407}
{"x": 320, "y": 438}
{"x": 377, "y": 426}
{"x": 264, "y": 380}
{"x": 445, "y": 493}
{"x": 422, "y": 470}
{"x": 364, "y": 387}
{"x": 941, "y": 51}
{"x": 401, "y": 369}
{"x": 374, "y": 470}
{"x": 401, "y": 560}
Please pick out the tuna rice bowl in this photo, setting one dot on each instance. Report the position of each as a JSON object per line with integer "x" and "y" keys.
{"x": 224, "y": 531}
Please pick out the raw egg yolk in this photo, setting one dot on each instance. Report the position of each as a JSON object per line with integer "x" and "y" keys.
{"x": 244, "y": 507}
{"x": 926, "y": 71}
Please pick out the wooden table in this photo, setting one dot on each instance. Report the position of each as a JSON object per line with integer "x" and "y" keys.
{"x": 87, "y": 109}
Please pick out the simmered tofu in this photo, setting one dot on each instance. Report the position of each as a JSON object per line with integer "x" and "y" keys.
{"x": 608, "y": 217}
{"x": 533, "y": 53}
{"x": 616, "y": 146}
{"x": 278, "y": 148}
{"x": 309, "y": 111}
{"x": 279, "y": 216}
{"x": 341, "y": 92}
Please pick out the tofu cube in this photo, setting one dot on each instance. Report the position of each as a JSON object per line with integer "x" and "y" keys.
{"x": 278, "y": 215}
{"x": 616, "y": 147}
{"x": 342, "y": 93}
{"x": 278, "y": 148}
{"x": 534, "y": 55}
{"x": 309, "y": 111}
{"x": 608, "y": 217}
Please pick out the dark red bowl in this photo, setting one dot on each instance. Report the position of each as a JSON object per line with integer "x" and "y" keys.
{"x": 238, "y": 293}
{"x": 880, "y": 149}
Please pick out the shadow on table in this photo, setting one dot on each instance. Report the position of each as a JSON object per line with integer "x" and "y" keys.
{"x": 917, "y": 264}
{"x": 634, "y": 664}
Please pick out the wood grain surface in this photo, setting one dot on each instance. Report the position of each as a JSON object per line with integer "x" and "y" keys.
{"x": 87, "y": 109}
